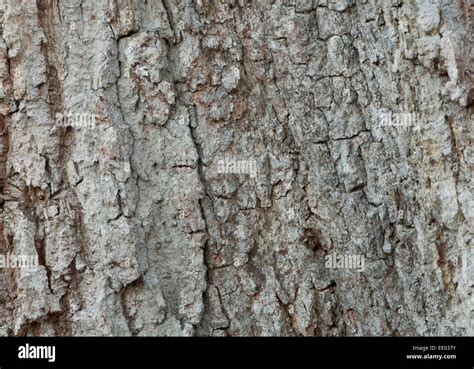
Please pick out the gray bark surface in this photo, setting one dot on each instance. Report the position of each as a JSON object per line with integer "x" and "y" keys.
{"x": 138, "y": 231}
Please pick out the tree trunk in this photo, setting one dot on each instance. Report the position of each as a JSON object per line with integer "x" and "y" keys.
{"x": 274, "y": 167}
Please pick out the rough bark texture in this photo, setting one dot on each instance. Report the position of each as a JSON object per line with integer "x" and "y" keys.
{"x": 137, "y": 230}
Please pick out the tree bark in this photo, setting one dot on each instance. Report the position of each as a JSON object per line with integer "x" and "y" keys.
{"x": 188, "y": 167}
